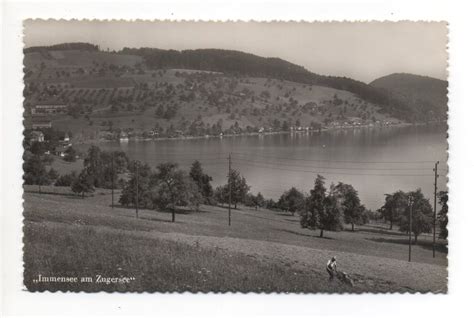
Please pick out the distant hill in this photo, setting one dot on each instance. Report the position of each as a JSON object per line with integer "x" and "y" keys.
{"x": 425, "y": 95}
{"x": 63, "y": 46}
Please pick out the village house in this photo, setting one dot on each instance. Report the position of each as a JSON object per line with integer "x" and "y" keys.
{"x": 66, "y": 141}
{"x": 60, "y": 150}
{"x": 123, "y": 136}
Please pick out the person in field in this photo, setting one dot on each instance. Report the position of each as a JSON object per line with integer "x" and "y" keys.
{"x": 331, "y": 267}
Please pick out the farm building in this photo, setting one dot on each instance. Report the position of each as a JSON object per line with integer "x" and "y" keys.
{"x": 41, "y": 124}
{"x": 36, "y": 136}
{"x": 49, "y": 109}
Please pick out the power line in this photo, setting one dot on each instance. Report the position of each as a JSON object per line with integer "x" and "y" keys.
{"x": 339, "y": 173}
{"x": 201, "y": 154}
{"x": 332, "y": 168}
{"x": 229, "y": 185}
{"x": 330, "y": 160}
{"x": 169, "y": 157}
{"x": 436, "y": 175}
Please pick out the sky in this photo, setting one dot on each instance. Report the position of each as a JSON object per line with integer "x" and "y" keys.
{"x": 363, "y": 51}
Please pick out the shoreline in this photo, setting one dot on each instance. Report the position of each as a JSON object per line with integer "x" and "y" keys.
{"x": 326, "y": 129}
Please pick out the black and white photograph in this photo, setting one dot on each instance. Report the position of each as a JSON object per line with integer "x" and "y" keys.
{"x": 264, "y": 157}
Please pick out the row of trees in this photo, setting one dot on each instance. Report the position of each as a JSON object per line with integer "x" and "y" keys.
{"x": 327, "y": 209}
{"x": 396, "y": 210}
{"x": 168, "y": 187}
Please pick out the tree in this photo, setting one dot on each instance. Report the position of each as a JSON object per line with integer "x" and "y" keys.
{"x": 172, "y": 189}
{"x": 143, "y": 196}
{"x": 202, "y": 180}
{"x": 323, "y": 210}
{"x": 193, "y": 197}
{"x": 314, "y": 205}
{"x": 239, "y": 187}
{"x": 422, "y": 215}
{"x": 94, "y": 165}
{"x": 443, "y": 214}
{"x": 350, "y": 203}
{"x": 292, "y": 201}
{"x": 35, "y": 172}
{"x": 255, "y": 201}
{"x": 271, "y": 204}
{"x": 331, "y": 218}
{"x": 99, "y": 165}
{"x": 53, "y": 175}
{"x": 65, "y": 180}
{"x": 259, "y": 201}
{"x": 70, "y": 154}
{"x": 84, "y": 183}
{"x": 37, "y": 148}
{"x": 221, "y": 195}
{"x": 110, "y": 170}
{"x": 394, "y": 205}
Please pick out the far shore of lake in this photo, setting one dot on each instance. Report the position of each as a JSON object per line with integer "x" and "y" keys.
{"x": 343, "y": 127}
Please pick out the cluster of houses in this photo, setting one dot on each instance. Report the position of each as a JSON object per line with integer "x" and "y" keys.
{"x": 359, "y": 123}
{"x": 63, "y": 146}
{"x": 59, "y": 150}
{"x": 39, "y": 123}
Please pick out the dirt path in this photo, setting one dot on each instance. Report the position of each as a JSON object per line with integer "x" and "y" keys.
{"x": 414, "y": 276}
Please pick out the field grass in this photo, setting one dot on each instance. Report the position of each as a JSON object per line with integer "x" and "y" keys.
{"x": 155, "y": 265}
{"x": 261, "y": 251}
{"x": 64, "y": 167}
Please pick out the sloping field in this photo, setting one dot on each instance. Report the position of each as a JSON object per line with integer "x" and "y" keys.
{"x": 366, "y": 269}
{"x": 99, "y": 82}
{"x": 373, "y": 256}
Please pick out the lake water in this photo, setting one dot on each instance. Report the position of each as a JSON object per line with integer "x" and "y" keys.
{"x": 374, "y": 160}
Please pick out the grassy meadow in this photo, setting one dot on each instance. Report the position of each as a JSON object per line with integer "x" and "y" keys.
{"x": 263, "y": 251}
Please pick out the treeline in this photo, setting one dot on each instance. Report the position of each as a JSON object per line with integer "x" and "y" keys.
{"x": 63, "y": 46}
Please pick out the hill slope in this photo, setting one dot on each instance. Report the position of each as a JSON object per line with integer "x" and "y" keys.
{"x": 430, "y": 94}
{"x": 241, "y": 63}
{"x": 198, "y": 92}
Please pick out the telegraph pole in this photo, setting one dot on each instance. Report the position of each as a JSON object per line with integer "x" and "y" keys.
{"x": 136, "y": 192}
{"x": 410, "y": 203}
{"x": 434, "y": 204}
{"x": 113, "y": 179}
{"x": 229, "y": 184}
